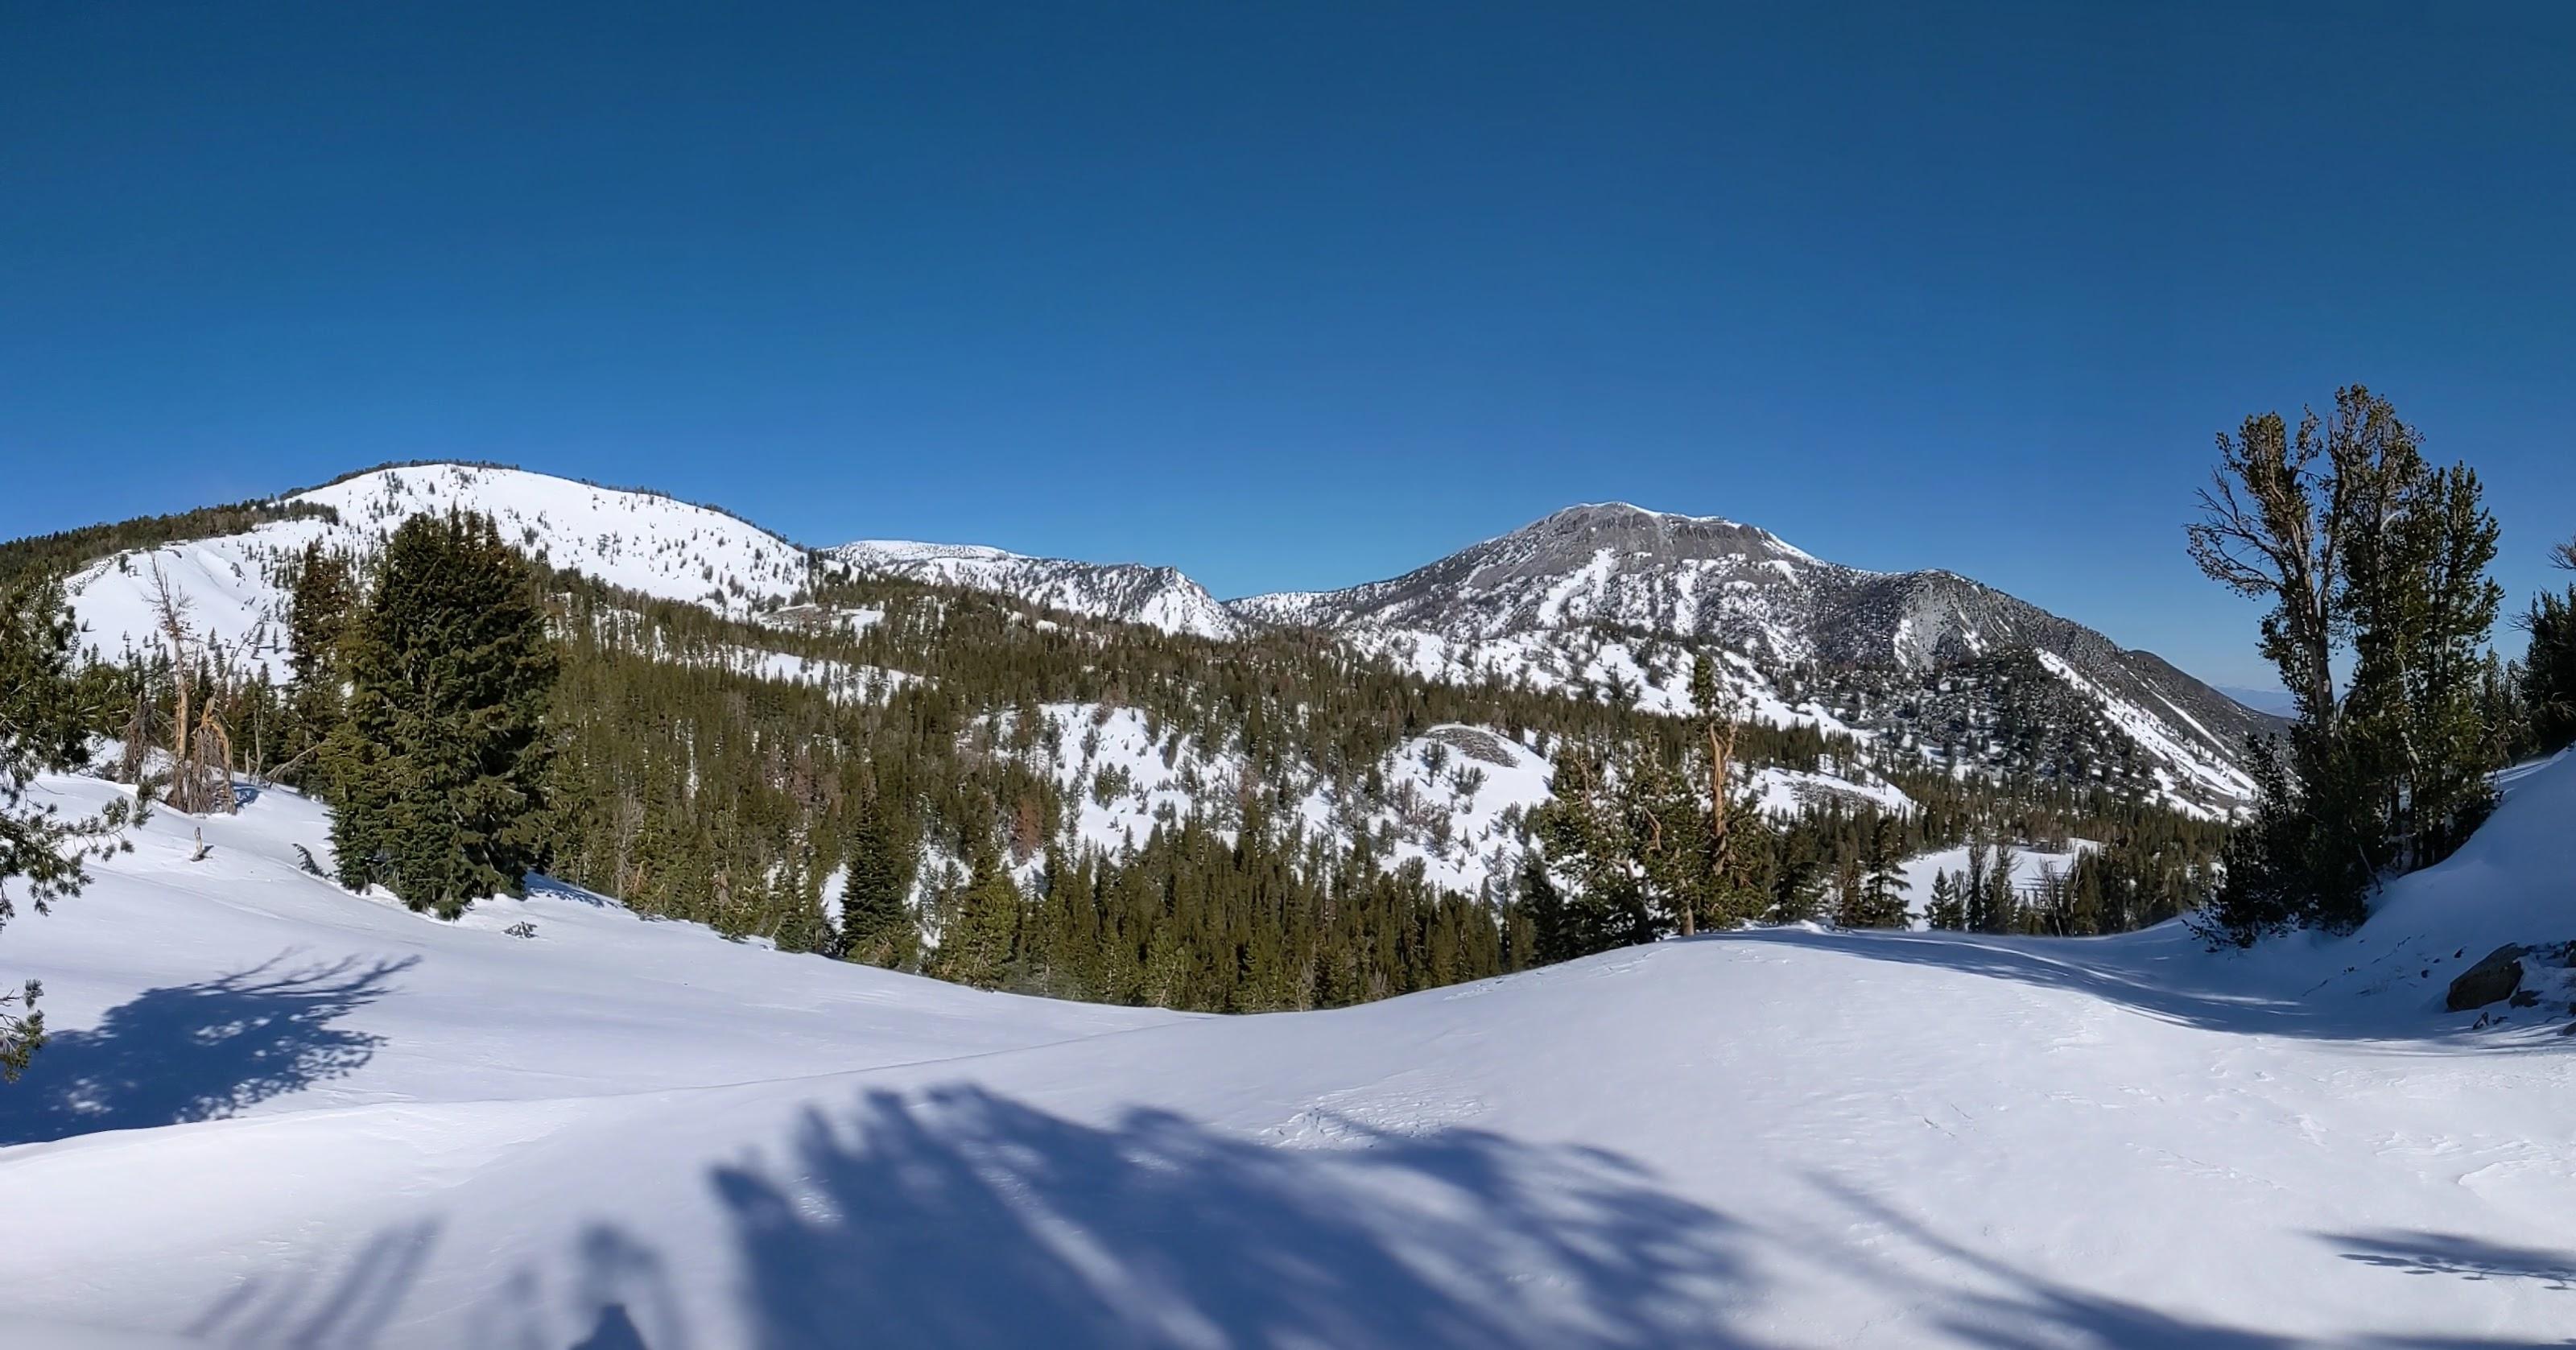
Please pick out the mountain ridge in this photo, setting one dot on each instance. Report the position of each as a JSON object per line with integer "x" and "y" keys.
{"x": 1548, "y": 602}
{"x": 1597, "y": 600}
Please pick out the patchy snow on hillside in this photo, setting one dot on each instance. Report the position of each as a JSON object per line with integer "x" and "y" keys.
{"x": 2031, "y": 869}
{"x": 1157, "y": 597}
{"x": 850, "y": 681}
{"x": 1121, "y": 774}
{"x": 1788, "y": 792}
{"x": 1454, "y": 798}
{"x": 854, "y": 682}
{"x": 1591, "y": 667}
{"x": 1451, "y": 797}
{"x": 2205, "y": 774}
{"x": 234, "y": 585}
{"x": 275, "y": 1114}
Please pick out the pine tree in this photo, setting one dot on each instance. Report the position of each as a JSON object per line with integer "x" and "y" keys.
{"x": 1553, "y": 936}
{"x": 1598, "y": 835}
{"x": 977, "y": 948}
{"x": 2002, "y": 908}
{"x": 442, "y": 762}
{"x": 1976, "y": 887}
{"x": 44, "y": 728}
{"x": 1883, "y": 883}
{"x": 877, "y": 925}
{"x": 2363, "y": 550}
{"x": 2548, "y": 683}
{"x": 317, "y": 621}
{"x": 1945, "y": 910}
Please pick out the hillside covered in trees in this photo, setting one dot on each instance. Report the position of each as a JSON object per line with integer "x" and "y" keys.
{"x": 960, "y": 782}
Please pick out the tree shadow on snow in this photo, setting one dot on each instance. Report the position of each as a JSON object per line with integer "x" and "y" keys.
{"x": 302, "y": 1311}
{"x": 197, "y": 1051}
{"x": 1989, "y": 1302}
{"x": 960, "y": 1218}
{"x": 2171, "y": 980}
{"x": 2418, "y": 1253}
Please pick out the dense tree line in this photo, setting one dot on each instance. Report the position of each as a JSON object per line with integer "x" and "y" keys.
{"x": 68, "y": 550}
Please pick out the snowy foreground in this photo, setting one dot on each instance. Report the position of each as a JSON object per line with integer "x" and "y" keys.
{"x": 280, "y": 1115}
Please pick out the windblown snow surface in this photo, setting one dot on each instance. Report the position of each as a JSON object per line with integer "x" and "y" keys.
{"x": 277, "y": 1114}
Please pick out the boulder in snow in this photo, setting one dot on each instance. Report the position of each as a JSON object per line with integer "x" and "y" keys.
{"x": 2491, "y": 980}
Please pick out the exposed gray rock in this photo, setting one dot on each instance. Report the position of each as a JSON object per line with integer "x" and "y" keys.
{"x": 2491, "y": 980}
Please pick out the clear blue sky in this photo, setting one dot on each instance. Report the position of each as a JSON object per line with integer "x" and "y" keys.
{"x": 1298, "y": 296}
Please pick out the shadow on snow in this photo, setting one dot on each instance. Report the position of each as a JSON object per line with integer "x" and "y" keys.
{"x": 197, "y": 1051}
{"x": 2173, "y": 978}
{"x": 2418, "y": 1253}
{"x": 963, "y": 1219}
{"x": 960, "y": 1218}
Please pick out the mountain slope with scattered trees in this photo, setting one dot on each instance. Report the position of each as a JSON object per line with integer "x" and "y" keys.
{"x": 915, "y": 769}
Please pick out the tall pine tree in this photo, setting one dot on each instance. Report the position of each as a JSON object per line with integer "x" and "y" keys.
{"x": 877, "y": 925}
{"x": 2368, "y": 554}
{"x": 317, "y": 622}
{"x": 442, "y": 762}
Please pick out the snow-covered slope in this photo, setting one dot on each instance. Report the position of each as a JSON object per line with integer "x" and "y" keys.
{"x": 1570, "y": 600}
{"x": 1453, "y": 798}
{"x": 1158, "y": 597}
{"x": 234, "y": 584}
{"x": 277, "y": 1115}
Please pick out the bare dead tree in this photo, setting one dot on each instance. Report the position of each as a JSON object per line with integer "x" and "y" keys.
{"x": 200, "y": 747}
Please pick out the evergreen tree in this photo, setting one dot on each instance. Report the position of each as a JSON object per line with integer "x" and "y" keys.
{"x": 1883, "y": 883}
{"x": 1553, "y": 934}
{"x": 317, "y": 621}
{"x": 977, "y": 946}
{"x": 1597, "y": 833}
{"x": 44, "y": 728}
{"x": 442, "y": 763}
{"x": 2265, "y": 859}
{"x": 1976, "y": 887}
{"x": 1945, "y": 910}
{"x": 2500, "y": 705}
{"x": 2362, "y": 550}
{"x": 2548, "y": 683}
{"x": 2002, "y": 907}
{"x": 877, "y": 925}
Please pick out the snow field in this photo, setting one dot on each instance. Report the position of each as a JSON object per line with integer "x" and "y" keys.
{"x": 279, "y": 1114}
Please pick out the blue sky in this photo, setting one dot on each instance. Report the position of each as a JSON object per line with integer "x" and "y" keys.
{"x": 1298, "y": 296}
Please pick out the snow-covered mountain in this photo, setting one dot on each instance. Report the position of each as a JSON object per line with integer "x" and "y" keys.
{"x": 235, "y": 584}
{"x": 1157, "y": 597}
{"x": 1565, "y": 602}
{"x": 1604, "y": 601}
{"x": 278, "y": 1114}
